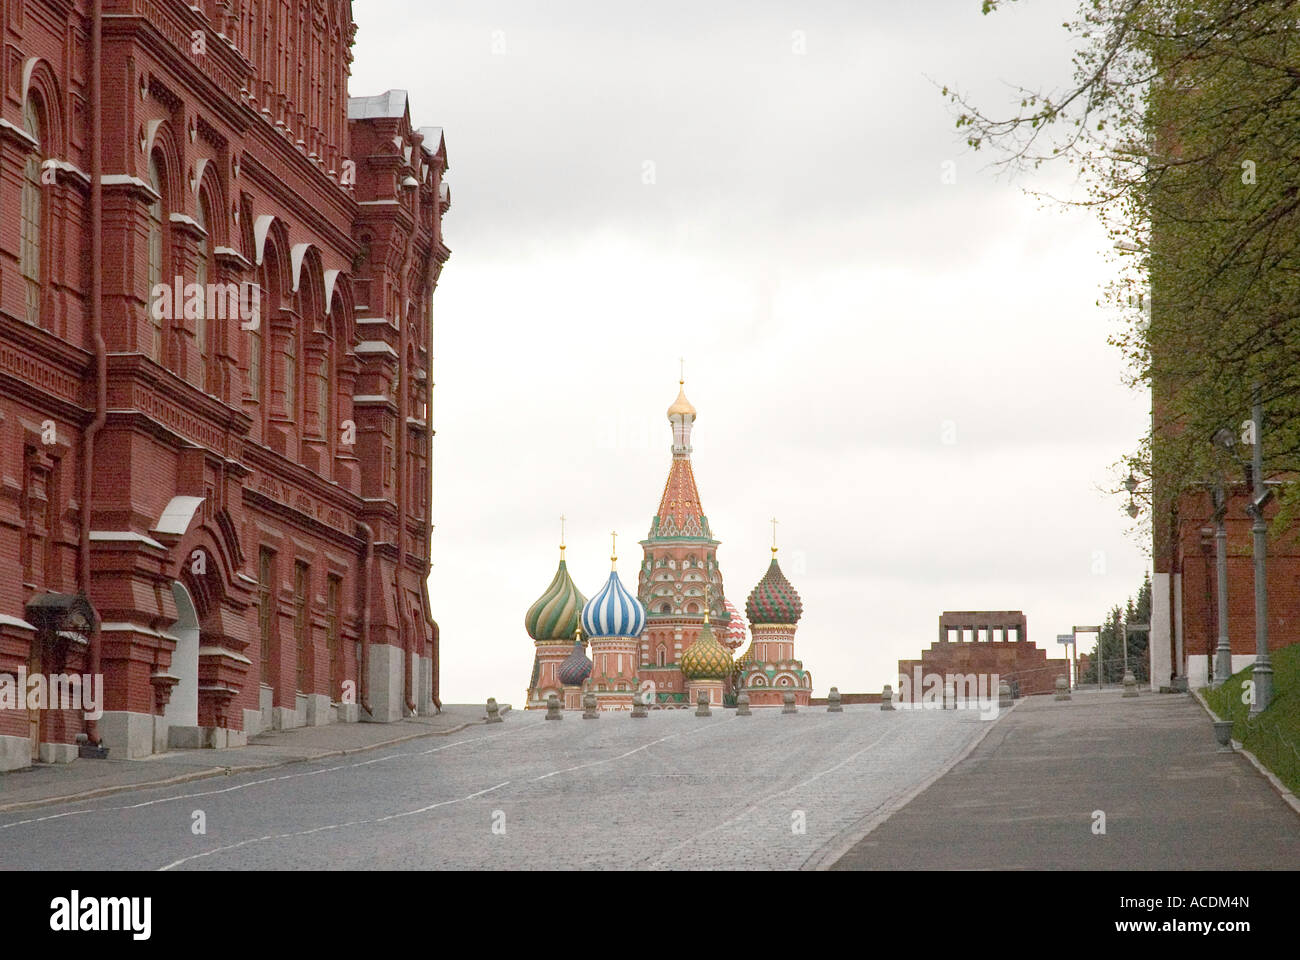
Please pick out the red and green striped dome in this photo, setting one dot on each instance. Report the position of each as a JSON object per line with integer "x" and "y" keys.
{"x": 553, "y": 617}
{"x": 774, "y": 600}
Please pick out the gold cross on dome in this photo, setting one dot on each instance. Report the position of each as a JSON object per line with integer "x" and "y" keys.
{"x": 562, "y": 519}
{"x": 682, "y": 362}
{"x": 613, "y": 543}
{"x": 774, "y": 522}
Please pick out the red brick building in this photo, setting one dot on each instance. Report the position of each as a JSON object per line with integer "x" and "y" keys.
{"x": 1184, "y": 586}
{"x": 1024, "y": 665}
{"x": 216, "y": 274}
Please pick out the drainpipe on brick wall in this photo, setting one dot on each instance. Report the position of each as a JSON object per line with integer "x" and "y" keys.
{"x": 366, "y": 565}
{"x": 96, "y": 333}
{"x": 435, "y": 655}
{"x": 1174, "y": 613}
{"x": 435, "y": 666}
{"x": 409, "y": 642}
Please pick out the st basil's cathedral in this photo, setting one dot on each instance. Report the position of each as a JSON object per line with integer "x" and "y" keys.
{"x": 677, "y": 636}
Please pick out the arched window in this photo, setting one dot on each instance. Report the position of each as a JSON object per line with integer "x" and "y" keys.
{"x": 291, "y": 373}
{"x": 663, "y": 655}
{"x": 32, "y": 215}
{"x": 325, "y": 393}
{"x": 157, "y": 242}
{"x": 257, "y": 334}
{"x": 254, "y": 387}
{"x": 201, "y": 331}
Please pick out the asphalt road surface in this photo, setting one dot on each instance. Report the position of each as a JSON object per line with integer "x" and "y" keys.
{"x": 1034, "y": 794}
{"x": 672, "y": 791}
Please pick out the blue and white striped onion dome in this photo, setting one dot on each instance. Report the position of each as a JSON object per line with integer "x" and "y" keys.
{"x": 613, "y": 612}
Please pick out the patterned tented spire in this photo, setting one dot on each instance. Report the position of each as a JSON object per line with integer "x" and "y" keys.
{"x": 680, "y": 513}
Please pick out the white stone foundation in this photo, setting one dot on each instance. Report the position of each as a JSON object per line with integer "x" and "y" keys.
{"x": 385, "y": 683}
{"x": 58, "y": 752}
{"x": 127, "y": 735}
{"x": 15, "y": 753}
{"x": 285, "y": 718}
{"x": 266, "y": 703}
{"x": 317, "y": 709}
{"x": 424, "y": 688}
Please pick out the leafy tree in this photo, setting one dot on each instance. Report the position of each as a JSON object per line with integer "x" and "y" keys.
{"x": 1182, "y": 121}
{"x": 1137, "y": 610}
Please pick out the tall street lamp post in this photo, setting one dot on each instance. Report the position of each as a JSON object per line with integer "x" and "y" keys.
{"x": 1263, "y": 672}
{"x": 1223, "y": 650}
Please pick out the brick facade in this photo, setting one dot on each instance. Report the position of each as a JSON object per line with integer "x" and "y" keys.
{"x": 260, "y": 485}
{"x": 1019, "y": 662}
{"x": 1185, "y": 582}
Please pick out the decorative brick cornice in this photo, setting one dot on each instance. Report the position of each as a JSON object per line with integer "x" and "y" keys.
{"x": 136, "y": 385}
{"x": 34, "y": 360}
{"x": 17, "y": 135}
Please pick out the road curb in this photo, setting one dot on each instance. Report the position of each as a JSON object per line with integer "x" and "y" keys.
{"x": 1281, "y": 788}
{"x": 835, "y": 852}
{"x": 211, "y": 772}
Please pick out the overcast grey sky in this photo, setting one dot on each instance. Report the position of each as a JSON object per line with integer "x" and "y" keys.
{"x": 759, "y": 187}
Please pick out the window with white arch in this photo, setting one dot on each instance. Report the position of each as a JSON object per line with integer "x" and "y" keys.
{"x": 157, "y": 221}
{"x": 202, "y": 334}
{"x": 31, "y": 245}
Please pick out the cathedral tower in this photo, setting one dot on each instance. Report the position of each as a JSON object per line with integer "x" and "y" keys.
{"x": 679, "y": 579}
{"x": 613, "y": 620}
{"x": 552, "y": 622}
{"x": 769, "y": 666}
{"x": 706, "y": 665}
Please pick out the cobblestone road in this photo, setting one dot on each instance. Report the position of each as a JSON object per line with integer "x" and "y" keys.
{"x": 672, "y": 791}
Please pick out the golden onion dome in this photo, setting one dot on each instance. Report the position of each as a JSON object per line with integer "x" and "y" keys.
{"x": 706, "y": 659}
{"x": 681, "y": 406}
